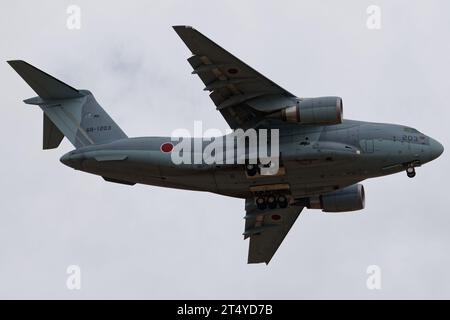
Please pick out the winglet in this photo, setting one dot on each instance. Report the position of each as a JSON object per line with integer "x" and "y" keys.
{"x": 46, "y": 86}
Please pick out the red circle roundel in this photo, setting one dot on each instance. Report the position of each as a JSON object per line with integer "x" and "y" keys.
{"x": 166, "y": 147}
{"x": 276, "y": 217}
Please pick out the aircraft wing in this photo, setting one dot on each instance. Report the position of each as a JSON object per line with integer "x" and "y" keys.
{"x": 267, "y": 230}
{"x": 232, "y": 83}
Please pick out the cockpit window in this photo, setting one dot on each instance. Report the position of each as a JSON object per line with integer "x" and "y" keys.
{"x": 410, "y": 130}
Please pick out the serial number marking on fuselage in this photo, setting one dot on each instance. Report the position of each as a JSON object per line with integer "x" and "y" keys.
{"x": 412, "y": 139}
{"x": 99, "y": 128}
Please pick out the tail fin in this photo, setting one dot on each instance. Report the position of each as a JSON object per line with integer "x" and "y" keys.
{"x": 67, "y": 111}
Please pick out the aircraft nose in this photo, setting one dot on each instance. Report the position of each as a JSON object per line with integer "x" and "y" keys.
{"x": 436, "y": 149}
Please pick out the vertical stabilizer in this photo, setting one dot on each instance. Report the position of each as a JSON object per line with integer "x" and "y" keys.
{"x": 67, "y": 111}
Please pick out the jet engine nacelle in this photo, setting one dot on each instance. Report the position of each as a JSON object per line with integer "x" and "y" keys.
{"x": 351, "y": 198}
{"x": 323, "y": 110}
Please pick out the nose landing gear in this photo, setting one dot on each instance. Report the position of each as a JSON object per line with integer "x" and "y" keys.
{"x": 410, "y": 172}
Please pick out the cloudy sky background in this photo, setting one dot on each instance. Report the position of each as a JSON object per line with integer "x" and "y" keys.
{"x": 148, "y": 242}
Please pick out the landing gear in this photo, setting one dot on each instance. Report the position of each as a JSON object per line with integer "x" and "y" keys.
{"x": 411, "y": 172}
{"x": 261, "y": 203}
{"x": 271, "y": 201}
{"x": 252, "y": 169}
{"x": 282, "y": 202}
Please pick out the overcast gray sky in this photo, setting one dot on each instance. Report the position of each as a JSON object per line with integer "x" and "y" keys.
{"x": 149, "y": 242}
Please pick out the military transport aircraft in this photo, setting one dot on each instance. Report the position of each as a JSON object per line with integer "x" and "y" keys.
{"x": 322, "y": 157}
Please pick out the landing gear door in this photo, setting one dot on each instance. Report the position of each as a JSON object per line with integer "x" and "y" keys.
{"x": 367, "y": 145}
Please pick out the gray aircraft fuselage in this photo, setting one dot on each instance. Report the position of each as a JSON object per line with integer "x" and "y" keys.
{"x": 316, "y": 159}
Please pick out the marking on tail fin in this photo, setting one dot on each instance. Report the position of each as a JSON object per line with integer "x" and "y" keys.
{"x": 80, "y": 129}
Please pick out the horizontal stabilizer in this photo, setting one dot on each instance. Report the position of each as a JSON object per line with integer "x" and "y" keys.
{"x": 46, "y": 86}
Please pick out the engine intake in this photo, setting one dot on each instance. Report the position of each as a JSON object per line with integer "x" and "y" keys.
{"x": 351, "y": 198}
{"x": 323, "y": 110}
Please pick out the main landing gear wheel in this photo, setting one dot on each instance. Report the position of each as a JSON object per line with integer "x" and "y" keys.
{"x": 251, "y": 169}
{"x": 282, "y": 202}
{"x": 261, "y": 203}
{"x": 271, "y": 202}
{"x": 410, "y": 172}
